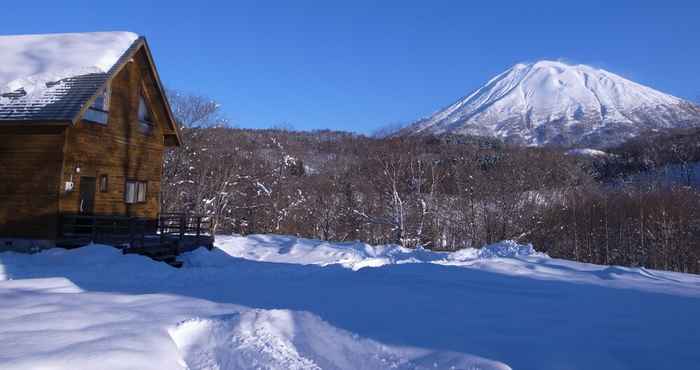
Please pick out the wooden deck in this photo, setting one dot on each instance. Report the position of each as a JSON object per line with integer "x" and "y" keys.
{"x": 162, "y": 239}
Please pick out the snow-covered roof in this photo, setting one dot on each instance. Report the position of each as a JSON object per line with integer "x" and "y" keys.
{"x": 49, "y": 76}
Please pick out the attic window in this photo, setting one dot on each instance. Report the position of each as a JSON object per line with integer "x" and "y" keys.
{"x": 102, "y": 101}
{"x": 145, "y": 119}
{"x": 99, "y": 108}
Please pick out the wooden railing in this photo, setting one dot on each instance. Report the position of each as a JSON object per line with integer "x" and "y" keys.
{"x": 133, "y": 231}
{"x": 183, "y": 224}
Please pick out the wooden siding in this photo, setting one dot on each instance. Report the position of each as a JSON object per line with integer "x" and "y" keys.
{"x": 119, "y": 149}
{"x": 38, "y": 158}
{"x": 30, "y": 165}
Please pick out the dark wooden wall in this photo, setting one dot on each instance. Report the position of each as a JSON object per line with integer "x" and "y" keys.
{"x": 37, "y": 159}
{"x": 30, "y": 167}
{"x": 119, "y": 149}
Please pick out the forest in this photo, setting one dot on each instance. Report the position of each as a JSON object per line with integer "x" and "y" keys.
{"x": 441, "y": 193}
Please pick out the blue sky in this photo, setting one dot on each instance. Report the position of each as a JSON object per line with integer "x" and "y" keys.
{"x": 360, "y": 65}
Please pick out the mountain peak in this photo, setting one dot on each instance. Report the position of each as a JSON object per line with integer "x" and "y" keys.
{"x": 553, "y": 102}
{"x": 546, "y": 63}
{"x": 557, "y": 65}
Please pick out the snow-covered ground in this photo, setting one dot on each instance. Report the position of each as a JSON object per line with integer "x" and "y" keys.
{"x": 587, "y": 152}
{"x": 277, "y": 302}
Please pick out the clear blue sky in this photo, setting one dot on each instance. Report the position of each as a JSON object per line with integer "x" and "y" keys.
{"x": 358, "y": 65}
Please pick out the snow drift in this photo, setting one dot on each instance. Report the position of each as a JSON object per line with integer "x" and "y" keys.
{"x": 278, "y": 302}
{"x": 280, "y": 339}
{"x": 353, "y": 255}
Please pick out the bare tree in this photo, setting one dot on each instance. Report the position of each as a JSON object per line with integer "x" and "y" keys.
{"x": 442, "y": 193}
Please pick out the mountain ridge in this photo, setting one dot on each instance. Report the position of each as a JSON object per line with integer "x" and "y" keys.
{"x": 554, "y": 103}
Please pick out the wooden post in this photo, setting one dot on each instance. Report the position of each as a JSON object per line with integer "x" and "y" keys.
{"x": 160, "y": 228}
{"x": 199, "y": 226}
{"x": 144, "y": 228}
{"x": 94, "y": 229}
{"x": 131, "y": 231}
{"x": 182, "y": 226}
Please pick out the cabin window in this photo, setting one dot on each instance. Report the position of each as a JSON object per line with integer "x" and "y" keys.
{"x": 104, "y": 184}
{"x": 141, "y": 193}
{"x": 102, "y": 100}
{"x": 145, "y": 119}
{"x": 99, "y": 108}
{"x": 135, "y": 192}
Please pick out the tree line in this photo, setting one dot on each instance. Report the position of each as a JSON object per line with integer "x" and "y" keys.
{"x": 442, "y": 193}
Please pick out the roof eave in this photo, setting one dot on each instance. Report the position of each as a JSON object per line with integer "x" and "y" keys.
{"x": 44, "y": 122}
{"x": 123, "y": 60}
{"x": 161, "y": 90}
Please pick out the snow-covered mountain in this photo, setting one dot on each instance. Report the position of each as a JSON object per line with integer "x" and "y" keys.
{"x": 550, "y": 102}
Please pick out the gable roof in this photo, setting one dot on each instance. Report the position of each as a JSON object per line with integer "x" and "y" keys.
{"x": 55, "y": 77}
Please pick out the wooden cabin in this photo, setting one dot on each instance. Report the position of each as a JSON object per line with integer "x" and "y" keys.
{"x": 84, "y": 123}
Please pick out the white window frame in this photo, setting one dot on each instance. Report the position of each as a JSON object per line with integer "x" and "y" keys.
{"x": 135, "y": 191}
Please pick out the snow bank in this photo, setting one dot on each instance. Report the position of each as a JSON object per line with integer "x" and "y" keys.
{"x": 504, "y": 249}
{"x": 30, "y": 61}
{"x": 105, "y": 321}
{"x": 52, "y": 324}
{"x": 505, "y": 257}
{"x": 91, "y": 262}
{"x": 273, "y": 302}
{"x": 280, "y": 339}
{"x": 81, "y": 330}
{"x": 353, "y": 255}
